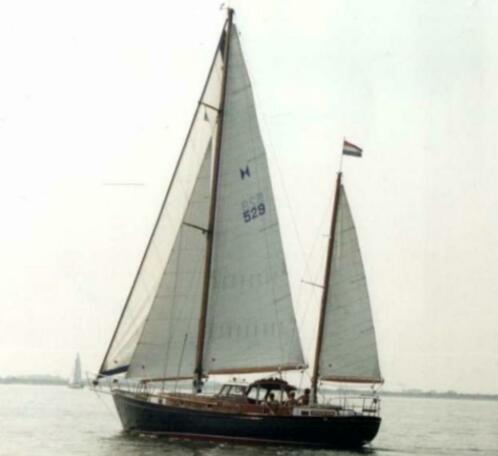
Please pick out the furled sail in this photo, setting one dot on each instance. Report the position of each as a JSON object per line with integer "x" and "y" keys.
{"x": 251, "y": 325}
{"x": 349, "y": 350}
{"x": 148, "y": 286}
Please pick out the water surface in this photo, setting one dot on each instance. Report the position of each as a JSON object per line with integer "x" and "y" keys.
{"x": 55, "y": 420}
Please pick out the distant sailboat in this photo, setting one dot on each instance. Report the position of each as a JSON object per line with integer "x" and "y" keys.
{"x": 211, "y": 297}
{"x": 76, "y": 380}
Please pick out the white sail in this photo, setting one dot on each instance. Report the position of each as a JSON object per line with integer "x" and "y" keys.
{"x": 250, "y": 319}
{"x": 167, "y": 345}
{"x": 76, "y": 379}
{"x": 349, "y": 350}
{"x": 158, "y": 252}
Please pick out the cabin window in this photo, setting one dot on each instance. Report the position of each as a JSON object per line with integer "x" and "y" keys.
{"x": 237, "y": 391}
{"x": 232, "y": 391}
{"x": 254, "y": 394}
{"x": 223, "y": 391}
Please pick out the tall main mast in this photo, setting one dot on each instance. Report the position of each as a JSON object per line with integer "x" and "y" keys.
{"x": 227, "y": 30}
{"x": 326, "y": 289}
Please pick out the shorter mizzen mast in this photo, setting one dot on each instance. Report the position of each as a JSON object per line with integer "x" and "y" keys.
{"x": 346, "y": 349}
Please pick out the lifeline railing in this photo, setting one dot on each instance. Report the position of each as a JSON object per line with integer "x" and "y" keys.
{"x": 365, "y": 404}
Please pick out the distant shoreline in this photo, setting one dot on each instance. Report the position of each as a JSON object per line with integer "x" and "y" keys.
{"x": 34, "y": 380}
{"x": 435, "y": 395}
{"x": 58, "y": 381}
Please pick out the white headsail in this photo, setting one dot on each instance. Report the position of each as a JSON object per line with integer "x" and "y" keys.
{"x": 167, "y": 345}
{"x": 171, "y": 216}
{"x": 349, "y": 349}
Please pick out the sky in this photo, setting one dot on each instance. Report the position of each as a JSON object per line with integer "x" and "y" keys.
{"x": 97, "y": 94}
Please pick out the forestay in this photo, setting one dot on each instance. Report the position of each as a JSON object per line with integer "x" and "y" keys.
{"x": 349, "y": 350}
{"x": 250, "y": 319}
{"x": 151, "y": 272}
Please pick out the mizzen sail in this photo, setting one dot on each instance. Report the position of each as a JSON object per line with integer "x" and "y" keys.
{"x": 349, "y": 349}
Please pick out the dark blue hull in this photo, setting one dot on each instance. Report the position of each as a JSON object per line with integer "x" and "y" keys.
{"x": 143, "y": 417}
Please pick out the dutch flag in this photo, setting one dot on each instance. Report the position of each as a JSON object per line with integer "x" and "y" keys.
{"x": 350, "y": 149}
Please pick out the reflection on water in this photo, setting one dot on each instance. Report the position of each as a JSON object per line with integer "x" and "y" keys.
{"x": 126, "y": 444}
{"x": 52, "y": 420}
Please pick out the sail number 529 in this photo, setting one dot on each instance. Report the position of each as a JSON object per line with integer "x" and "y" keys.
{"x": 254, "y": 212}
{"x": 253, "y": 208}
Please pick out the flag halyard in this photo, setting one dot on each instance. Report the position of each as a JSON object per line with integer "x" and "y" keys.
{"x": 350, "y": 149}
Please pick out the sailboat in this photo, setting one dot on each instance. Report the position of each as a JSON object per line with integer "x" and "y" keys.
{"x": 76, "y": 380}
{"x": 211, "y": 297}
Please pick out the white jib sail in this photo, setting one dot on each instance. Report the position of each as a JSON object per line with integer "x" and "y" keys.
{"x": 167, "y": 345}
{"x": 349, "y": 350}
{"x": 250, "y": 318}
{"x": 159, "y": 250}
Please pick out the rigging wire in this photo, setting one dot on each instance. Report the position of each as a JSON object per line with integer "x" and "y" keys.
{"x": 306, "y": 259}
{"x": 89, "y": 377}
{"x": 270, "y": 152}
{"x": 104, "y": 402}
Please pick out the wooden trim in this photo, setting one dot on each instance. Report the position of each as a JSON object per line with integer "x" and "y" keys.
{"x": 165, "y": 379}
{"x": 209, "y": 106}
{"x": 196, "y": 227}
{"x": 255, "y": 370}
{"x": 351, "y": 379}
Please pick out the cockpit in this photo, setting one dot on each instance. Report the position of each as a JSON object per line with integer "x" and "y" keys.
{"x": 234, "y": 391}
{"x": 268, "y": 390}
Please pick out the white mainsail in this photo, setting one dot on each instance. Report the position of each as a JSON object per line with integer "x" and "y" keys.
{"x": 171, "y": 216}
{"x": 349, "y": 349}
{"x": 250, "y": 319}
